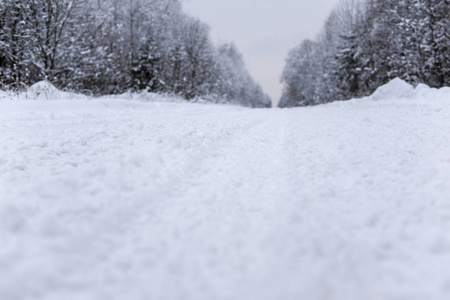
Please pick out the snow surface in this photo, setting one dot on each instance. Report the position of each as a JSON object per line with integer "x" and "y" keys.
{"x": 115, "y": 199}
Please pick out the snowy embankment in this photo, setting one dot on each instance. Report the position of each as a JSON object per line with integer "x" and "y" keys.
{"x": 115, "y": 199}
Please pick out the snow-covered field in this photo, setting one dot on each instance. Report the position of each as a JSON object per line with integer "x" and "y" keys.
{"x": 115, "y": 199}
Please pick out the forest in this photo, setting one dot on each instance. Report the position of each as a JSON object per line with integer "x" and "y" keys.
{"x": 102, "y": 47}
{"x": 365, "y": 44}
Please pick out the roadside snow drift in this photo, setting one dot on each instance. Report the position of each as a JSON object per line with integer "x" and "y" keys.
{"x": 116, "y": 199}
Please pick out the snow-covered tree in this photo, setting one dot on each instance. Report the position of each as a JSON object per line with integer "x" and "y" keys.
{"x": 235, "y": 82}
{"x": 365, "y": 44}
{"x": 111, "y": 46}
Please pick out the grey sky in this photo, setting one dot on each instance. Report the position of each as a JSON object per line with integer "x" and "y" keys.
{"x": 263, "y": 30}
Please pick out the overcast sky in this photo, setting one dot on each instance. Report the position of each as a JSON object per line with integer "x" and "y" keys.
{"x": 263, "y": 30}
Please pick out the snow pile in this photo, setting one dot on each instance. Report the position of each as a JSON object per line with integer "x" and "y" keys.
{"x": 423, "y": 91}
{"x": 44, "y": 90}
{"x": 398, "y": 89}
{"x": 395, "y": 89}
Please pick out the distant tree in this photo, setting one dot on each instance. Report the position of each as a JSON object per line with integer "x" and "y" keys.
{"x": 301, "y": 67}
{"x": 235, "y": 83}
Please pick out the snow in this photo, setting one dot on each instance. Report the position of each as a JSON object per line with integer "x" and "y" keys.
{"x": 44, "y": 90}
{"x": 396, "y": 88}
{"x": 118, "y": 199}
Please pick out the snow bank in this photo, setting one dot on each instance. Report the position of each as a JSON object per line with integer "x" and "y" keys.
{"x": 44, "y": 90}
{"x": 397, "y": 89}
{"x": 145, "y": 97}
{"x": 423, "y": 91}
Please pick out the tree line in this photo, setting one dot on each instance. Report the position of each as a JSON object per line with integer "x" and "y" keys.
{"x": 367, "y": 43}
{"x": 111, "y": 46}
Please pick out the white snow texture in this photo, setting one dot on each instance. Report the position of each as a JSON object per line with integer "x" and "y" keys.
{"x": 117, "y": 199}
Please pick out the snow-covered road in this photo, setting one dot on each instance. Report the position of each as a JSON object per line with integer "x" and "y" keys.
{"x": 112, "y": 199}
